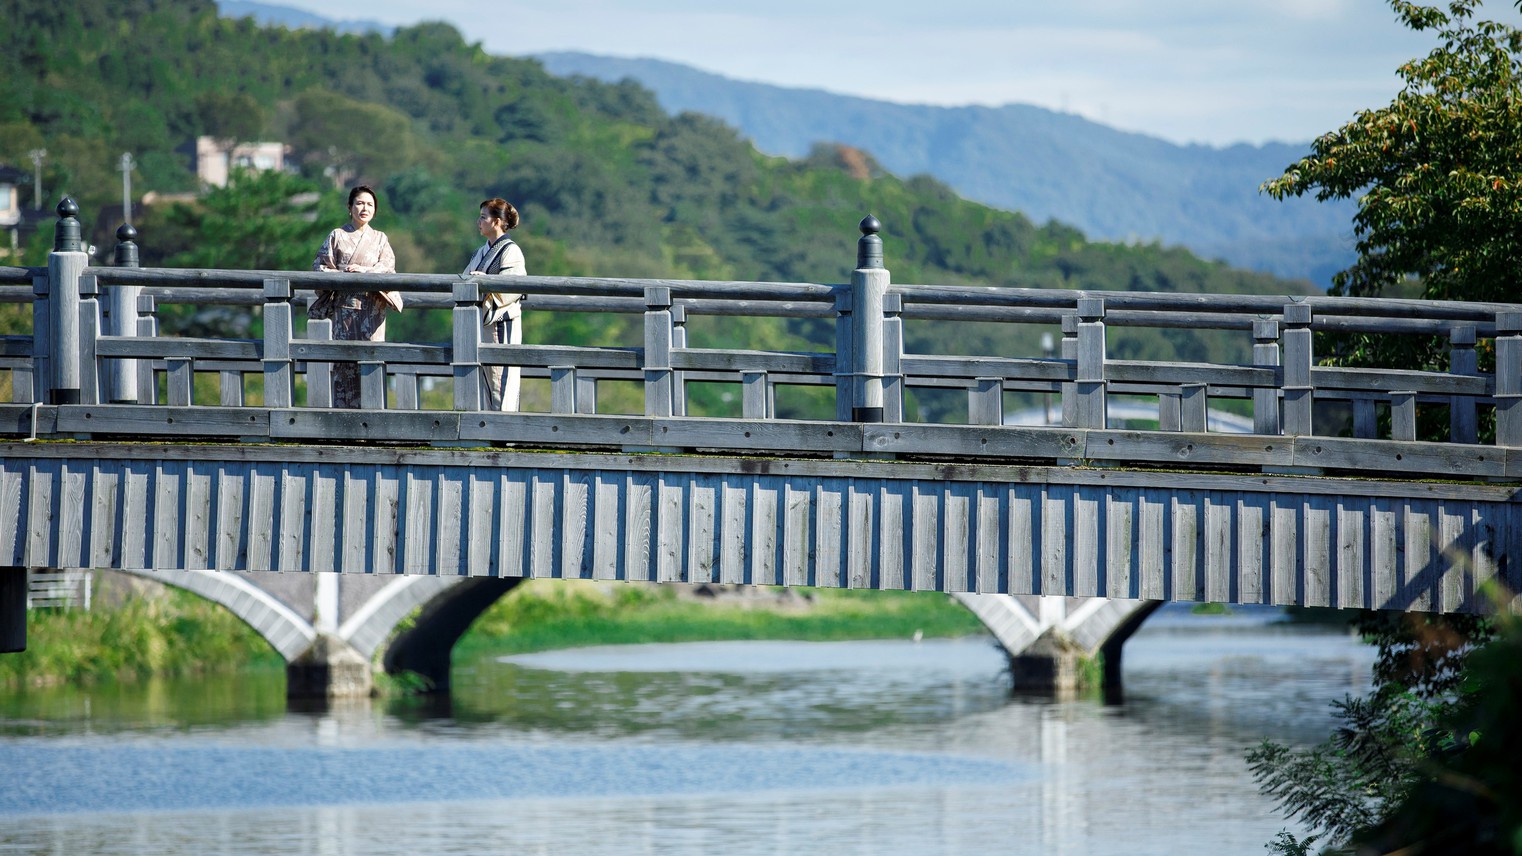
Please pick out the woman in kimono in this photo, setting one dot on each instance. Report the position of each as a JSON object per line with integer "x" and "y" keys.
{"x": 501, "y": 311}
{"x": 355, "y": 247}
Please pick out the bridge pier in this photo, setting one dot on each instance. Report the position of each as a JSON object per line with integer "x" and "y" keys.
{"x": 330, "y": 668}
{"x": 1060, "y": 645}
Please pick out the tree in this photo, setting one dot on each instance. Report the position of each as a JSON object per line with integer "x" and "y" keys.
{"x": 259, "y": 221}
{"x": 1439, "y": 167}
{"x": 1378, "y": 757}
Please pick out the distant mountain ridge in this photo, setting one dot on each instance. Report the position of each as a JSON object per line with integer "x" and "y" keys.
{"x": 1111, "y": 184}
{"x": 269, "y": 14}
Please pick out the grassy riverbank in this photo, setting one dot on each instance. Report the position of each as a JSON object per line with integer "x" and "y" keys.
{"x": 169, "y": 633}
{"x": 541, "y": 615}
{"x": 161, "y": 631}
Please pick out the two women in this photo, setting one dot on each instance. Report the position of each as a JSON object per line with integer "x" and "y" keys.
{"x": 355, "y": 247}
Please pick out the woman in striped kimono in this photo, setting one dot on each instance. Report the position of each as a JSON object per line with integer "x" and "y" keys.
{"x": 355, "y": 247}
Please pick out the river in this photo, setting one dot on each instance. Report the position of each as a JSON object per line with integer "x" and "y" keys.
{"x": 844, "y": 749}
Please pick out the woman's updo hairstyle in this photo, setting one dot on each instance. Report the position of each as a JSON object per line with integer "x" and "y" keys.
{"x": 502, "y": 210}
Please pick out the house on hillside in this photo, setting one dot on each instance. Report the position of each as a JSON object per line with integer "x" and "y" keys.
{"x": 215, "y": 158}
{"x": 12, "y": 218}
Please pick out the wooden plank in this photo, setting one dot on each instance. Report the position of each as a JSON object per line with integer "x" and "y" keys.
{"x": 990, "y": 569}
{"x": 728, "y": 435}
{"x": 895, "y": 511}
{"x": 427, "y": 426}
{"x": 734, "y": 532}
{"x": 963, "y": 440}
{"x": 198, "y": 524}
{"x": 1254, "y": 534}
{"x": 1153, "y": 537}
{"x": 169, "y": 422}
{"x": 1023, "y": 541}
{"x": 639, "y": 516}
{"x": 1219, "y": 554}
{"x": 451, "y": 526}
{"x": 576, "y": 519}
{"x": 1284, "y": 556}
{"x": 1384, "y": 553}
{"x": 829, "y": 532}
{"x": 1187, "y": 573}
{"x": 1455, "y": 542}
{"x": 324, "y": 521}
{"x": 480, "y": 520}
{"x": 1420, "y": 579}
{"x": 1353, "y": 587}
{"x": 925, "y": 568}
{"x": 608, "y": 525}
{"x": 957, "y": 537}
{"x": 69, "y": 546}
{"x": 230, "y": 532}
{"x": 1056, "y": 572}
{"x": 515, "y": 522}
{"x": 1120, "y": 547}
{"x": 797, "y": 542}
{"x": 1404, "y": 457}
{"x": 671, "y": 553}
{"x": 15, "y": 526}
{"x": 262, "y": 522}
{"x": 701, "y": 510}
{"x": 545, "y": 557}
{"x": 1317, "y": 551}
{"x": 138, "y": 513}
{"x": 168, "y": 515}
{"x": 1087, "y": 532}
{"x": 1127, "y": 447}
{"x": 385, "y": 515}
{"x": 304, "y": 497}
{"x": 765, "y": 544}
{"x": 103, "y": 539}
{"x": 355, "y": 497}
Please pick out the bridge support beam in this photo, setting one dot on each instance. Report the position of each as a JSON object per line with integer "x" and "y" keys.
{"x": 330, "y": 668}
{"x": 12, "y": 610}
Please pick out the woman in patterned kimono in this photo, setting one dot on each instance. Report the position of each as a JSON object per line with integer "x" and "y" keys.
{"x": 355, "y": 248}
{"x": 501, "y": 311}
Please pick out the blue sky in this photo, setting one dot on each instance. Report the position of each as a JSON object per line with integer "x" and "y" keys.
{"x": 1189, "y": 71}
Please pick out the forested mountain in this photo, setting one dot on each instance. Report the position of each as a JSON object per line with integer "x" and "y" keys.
{"x": 1111, "y": 184}
{"x": 609, "y": 183}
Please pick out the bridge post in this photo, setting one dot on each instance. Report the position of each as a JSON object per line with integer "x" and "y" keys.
{"x": 279, "y": 382}
{"x": 122, "y": 312}
{"x": 89, "y": 335}
{"x": 1299, "y": 393}
{"x": 319, "y": 374}
{"x": 148, "y": 328}
{"x": 893, "y": 358}
{"x": 869, "y": 285}
{"x": 678, "y": 379}
{"x": 844, "y": 380}
{"x": 1089, "y": 391}
{"x": 1509, "y": 379}
{"x": 1265, "y": 401}
{"x": 466, "y": 359}
{"x": 1069, "y": 352}
{"x": 1463, "y": 422}
{"x": 658, "y": 343}
{"x": 66, "y": 263}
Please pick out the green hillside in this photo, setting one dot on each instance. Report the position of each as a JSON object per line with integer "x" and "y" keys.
{"x": 608, "y": 183}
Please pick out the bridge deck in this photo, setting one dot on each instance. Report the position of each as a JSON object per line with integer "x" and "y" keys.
{"x": 1014, "y": 529}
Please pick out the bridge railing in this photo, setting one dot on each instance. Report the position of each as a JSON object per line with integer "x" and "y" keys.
{"x": 98, "y": 364}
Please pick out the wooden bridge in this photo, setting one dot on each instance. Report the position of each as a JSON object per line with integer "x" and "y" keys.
{"x": 195, "y": 459}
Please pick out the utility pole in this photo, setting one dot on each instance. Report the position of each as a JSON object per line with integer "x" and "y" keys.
{"x": 126, "y": 168}
{"x": 37, "y": 155}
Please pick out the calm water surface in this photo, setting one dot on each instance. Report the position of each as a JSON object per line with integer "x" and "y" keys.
{"x": 733, "y": 748}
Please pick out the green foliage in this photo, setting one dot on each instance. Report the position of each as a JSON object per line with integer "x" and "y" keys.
{"x": 171, "y": 633}
{"x": 539, "y": 616}
{"x": 258, "y": 221}
{"x": 1377, "y": 757}
{"x": 1437, "y": 169}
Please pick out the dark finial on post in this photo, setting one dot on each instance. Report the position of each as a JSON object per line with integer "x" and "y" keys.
{"x": 869, "y": 248}
{"x": 126, "y": 246}
{"x": 66, "y": 231}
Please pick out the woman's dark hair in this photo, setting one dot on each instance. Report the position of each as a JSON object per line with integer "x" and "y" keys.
{"x": 502, "y": 210}
{"x": 362, "y": 188}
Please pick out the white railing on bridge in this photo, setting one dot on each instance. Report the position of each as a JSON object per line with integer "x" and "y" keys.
{"x": 96, "y": 365}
